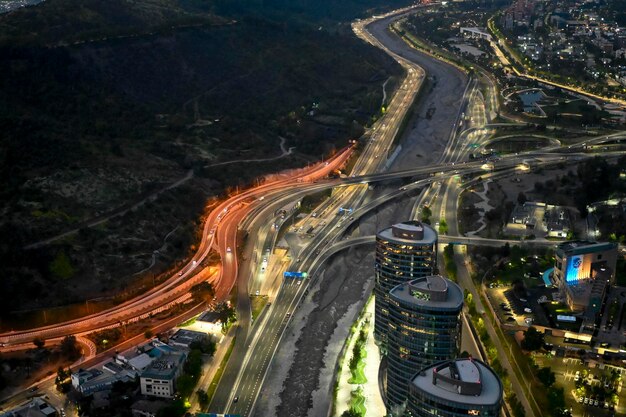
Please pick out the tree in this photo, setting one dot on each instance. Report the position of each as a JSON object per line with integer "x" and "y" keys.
{"x": 546, "y": 376}
{"x": 350, "y": 413}
{"x": 203, "y": 398}
{"x": 203, "y": 292}
{"x": 61, "y": 267}
{"x": 426, "y": 213}
{"x": 443, "y": 227}
{"x": 39, "y": 342}
{"x": 533, "y": 339}
{"x": 69, "y": 348}
{"x": 185, "y": 385}
{"x": 521, "y": 198}
{"x": 205, "y": 345}
{"x": 556, "y": 401}
{"x": 62, "y": 381}
{"x": 516, "y": 406}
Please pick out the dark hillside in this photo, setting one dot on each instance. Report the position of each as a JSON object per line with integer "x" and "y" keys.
{"x": 93, "y": 123}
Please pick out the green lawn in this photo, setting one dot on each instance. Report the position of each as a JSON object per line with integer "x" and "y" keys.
{"x": 358, "y": 376}
{"x": 357, "y": 401}
{"x": 257, "y": 304}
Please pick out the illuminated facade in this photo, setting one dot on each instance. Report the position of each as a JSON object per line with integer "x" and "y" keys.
{"x": 424, "y": 327}
{"x": 582, "y": 272}
{"x": 455, "y": 388}
{"x": 404, "y": 252}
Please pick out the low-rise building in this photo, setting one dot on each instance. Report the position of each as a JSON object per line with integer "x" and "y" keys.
{"x": 183, "y": 338}
{"x": 210, "y": 322}
{"x": 159, "y": 378}
{"x": 34, "y": 408}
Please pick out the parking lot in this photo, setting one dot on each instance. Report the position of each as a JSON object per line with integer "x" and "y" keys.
{"x": 509, "y": 308}
{"x": 592, "y": 400}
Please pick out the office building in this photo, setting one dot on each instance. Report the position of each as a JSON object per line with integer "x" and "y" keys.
{"x": 404, "y": 251}
{"x": 455, "y": 388}
{"x": 159, "y": 378}
{"x": 583, "y": 272}
{"x": 424, "y": 328}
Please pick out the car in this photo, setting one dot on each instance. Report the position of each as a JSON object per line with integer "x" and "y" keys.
{"x": 314, "y": 214}
{"x": 236, "y": 399}
{"x": 180, "y": 274}
{"x": 257, "y": 292}
{"x": 580, "y": 400}
{"x": 288, "y": 315}
{"x": 606, "y": 404}
{"x": 228, "y": 250}
{"x": 33, "y": 389}
{"x": 586, "y": 401}
{"x": 595, "y": 403}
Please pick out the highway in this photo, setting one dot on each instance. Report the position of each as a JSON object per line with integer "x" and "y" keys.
{"x": 243, "y": 379}
{"x": 254, "y": 212}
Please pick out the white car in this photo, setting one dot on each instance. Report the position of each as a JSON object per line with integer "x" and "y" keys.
{"x": 228, "y": 250}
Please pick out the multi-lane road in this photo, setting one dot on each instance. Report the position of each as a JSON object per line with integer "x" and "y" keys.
{"x": 255, "y": 212}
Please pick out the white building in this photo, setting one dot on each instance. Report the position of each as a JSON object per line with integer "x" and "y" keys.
{"x": 159, "y": 378}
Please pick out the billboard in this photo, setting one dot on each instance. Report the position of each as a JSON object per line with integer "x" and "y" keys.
{"x": 566, "y": 318}
{"x": 578, "y": 267}
{"x": 296, "y": 275}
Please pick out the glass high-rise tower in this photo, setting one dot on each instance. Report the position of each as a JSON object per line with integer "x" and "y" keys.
{"x": 456, "y": 388}
{"x": 404, "y": 251}
{"x": 424, "y": 327}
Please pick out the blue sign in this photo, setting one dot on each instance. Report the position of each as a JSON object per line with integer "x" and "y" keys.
{"x": 297, "y": 275}
{"x": 341, "y": 210}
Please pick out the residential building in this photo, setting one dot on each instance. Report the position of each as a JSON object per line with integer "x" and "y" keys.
{"x": 404, "y": 251}
{"x": 424, "y": 328}
{"x": 455, "y": 388}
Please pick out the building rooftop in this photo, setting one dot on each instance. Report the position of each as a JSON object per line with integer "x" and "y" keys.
{"x": 35, "y": 408}
{"x": 165, "y": 367}
{"x": 184, "y": 337}
{"x": 463, "y": 380}
{"x": 577, "y": 247}
{"x": 409, "y": 232}
{"x": 434, "y": 291}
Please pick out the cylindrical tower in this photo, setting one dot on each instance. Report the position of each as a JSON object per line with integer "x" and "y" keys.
{"x": 424, "y": 328}
{"x": 404, "y": 251}
{"x": 460, "y": 387}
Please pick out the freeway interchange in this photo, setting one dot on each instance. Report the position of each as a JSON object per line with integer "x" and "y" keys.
{"x": 254, "y": 212}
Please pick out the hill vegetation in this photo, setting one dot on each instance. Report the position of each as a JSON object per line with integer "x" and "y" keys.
{"x": 123, "y": 111}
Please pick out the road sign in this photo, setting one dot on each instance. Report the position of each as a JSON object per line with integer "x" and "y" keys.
{"x": 297, "y": 275}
